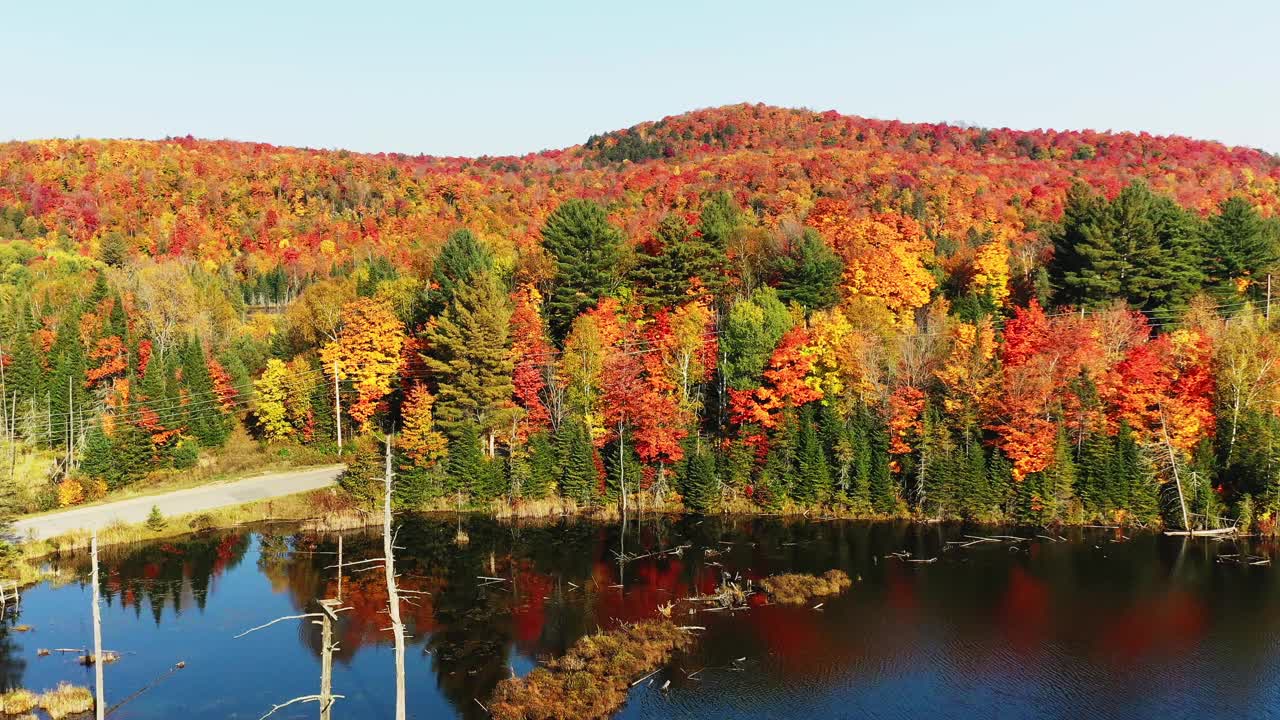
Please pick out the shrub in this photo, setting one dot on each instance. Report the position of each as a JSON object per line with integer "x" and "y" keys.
{"x": 156, "y": 521}
{"x": 186, "y": 454}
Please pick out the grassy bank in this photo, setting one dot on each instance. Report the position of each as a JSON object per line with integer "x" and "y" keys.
{"x": 324, "y": 510}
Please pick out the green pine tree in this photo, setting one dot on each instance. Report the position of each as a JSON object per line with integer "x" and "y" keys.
{"x": 587, "y": 251}
{"x": 461, "y": 260}
{"x": 703, "y": 490}
{"x": 578, "y": 479}
{"x": 808, "y": 272}
{"x": 469, "y": 356}
{"x": 666, "y": 267}
{"x": 1241, "y": 247}
{"x": 813, "y": 483}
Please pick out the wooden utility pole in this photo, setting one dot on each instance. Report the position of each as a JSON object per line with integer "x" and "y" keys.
{"x": 99, "y": 703}
{"x": 393, "y": 596}
{"x": 70, "y": 422}
{"x": 337, "y": 406}
{"x": 1268, "y": 298}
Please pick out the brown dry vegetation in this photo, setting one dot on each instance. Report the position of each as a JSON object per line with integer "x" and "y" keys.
{"x": 66, "y": 700}
{"x": 797, "y": 589}
{"x": 592, "y": 679}
{"x": 18, "y": 702}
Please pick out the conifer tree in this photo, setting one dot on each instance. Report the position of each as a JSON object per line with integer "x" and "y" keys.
{"x": 586, "y": 249}
{"x": 1140, "y": 247}
{"x": 204, "y": 418}
{"x": 469, "y": 469}
{"x": 578, "y": 478}
{"x": 808, "y": 272}
{"x": 884, "y": 497}
{"x": 813, "y": 475}
{"x": 544, "y": 466}
{"x": 65, "y": 389}
{"x": 1241, "y": 248}
{"x": 702, "y": 484}
{"x": 461, "y": 260}
{"x": 469, "y": 355}
{"x": 668, "y": 266}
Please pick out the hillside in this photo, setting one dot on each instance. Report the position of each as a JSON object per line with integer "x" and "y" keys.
{"x": 741, "y": 307}
{"x": 255, "y": 206}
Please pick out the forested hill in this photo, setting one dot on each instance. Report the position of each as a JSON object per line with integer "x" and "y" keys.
{"x": 737, "y": 307}
{"x": 257, "y": 206}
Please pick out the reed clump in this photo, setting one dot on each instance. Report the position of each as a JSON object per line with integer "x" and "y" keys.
{"x": 798, "y": 589}
{"x": 18, "y": 702}
{"x": 592, "y": 679}
{"x": 66, "y": 700}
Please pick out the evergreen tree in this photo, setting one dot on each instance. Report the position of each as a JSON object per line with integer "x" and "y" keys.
{"x": 67, "y": 397}
{"x": 1140, "y": 247}
{"x": 544, "y": 466}
{"x": 809, "y": 272}
{"x": 975, "y": 485}
{"x": 667, "y": 267}
{"x": 1094, "y": 474}
{"x": 1000, "y": 490}
{"x": 205, "y": 419}
{"x": 578, "y": 479}
{"x": 586, "y": 249}
{"x": 461, "y": 260}
{"x": 702, "y": 484}
{"x": 23, "y": 375}
{"x": 470, "y": 469}
{"x": 813, "y": 475}
{"x": 1241, "y": 248}
{"x": 884, "y": 497}
{"x": 469, "y": 355}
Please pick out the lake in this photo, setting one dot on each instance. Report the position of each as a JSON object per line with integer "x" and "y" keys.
{"x": 1089, "y": 623}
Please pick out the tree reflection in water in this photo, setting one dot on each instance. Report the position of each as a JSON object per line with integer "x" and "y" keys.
{"x": 1057, "y": 617}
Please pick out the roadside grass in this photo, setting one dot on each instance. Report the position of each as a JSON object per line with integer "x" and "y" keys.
{"x": 242, "y": 457}
{"x": 324, "y": 510}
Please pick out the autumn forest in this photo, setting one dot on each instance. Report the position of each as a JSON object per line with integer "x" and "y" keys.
{"x": 738, "y": 309}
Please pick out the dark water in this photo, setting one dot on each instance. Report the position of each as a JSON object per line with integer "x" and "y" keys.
{"x": 1095, "y": 626}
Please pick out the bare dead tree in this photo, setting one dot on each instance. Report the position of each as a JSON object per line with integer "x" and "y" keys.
{"x": 393, "y": 597}
{"x": 99, "y": 703}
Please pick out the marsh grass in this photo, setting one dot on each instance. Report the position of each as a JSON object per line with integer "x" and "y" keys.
{"x": 798, "y": 589}
{"x": 66, "y": 700}
{"x": 18, "y": 702}
{"x": 591, "y": 680}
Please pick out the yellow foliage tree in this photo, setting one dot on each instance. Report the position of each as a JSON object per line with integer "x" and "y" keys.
{"x": 991, "y": 271}
{"x": 271, "y": 401}
{"x": 884, "y": 255}
{"x": 368, "y": 352}
{"x": 418, "y": 438}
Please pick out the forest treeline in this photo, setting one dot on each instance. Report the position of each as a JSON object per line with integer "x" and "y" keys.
{"x": 743, "y": 308}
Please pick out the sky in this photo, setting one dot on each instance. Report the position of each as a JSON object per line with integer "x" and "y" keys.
{"x": 473, "y": 77}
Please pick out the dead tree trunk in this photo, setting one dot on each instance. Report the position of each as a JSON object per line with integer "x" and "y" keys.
{"x": 393, "y": 597}
{"x": 99, "y": 703}
{"x": 1173, "y": 467}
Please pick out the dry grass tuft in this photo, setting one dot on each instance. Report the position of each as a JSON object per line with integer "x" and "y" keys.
{"x": 18, "y": 702}
{"x": 797, "y": 589}
{"x": 592, "y": 679}
{"x": 66, "y": 700}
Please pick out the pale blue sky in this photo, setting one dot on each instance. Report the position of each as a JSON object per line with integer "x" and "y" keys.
{"x": 510, "y": 77}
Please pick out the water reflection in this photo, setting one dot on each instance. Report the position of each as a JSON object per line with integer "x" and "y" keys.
{"x": 1130, "y": 626}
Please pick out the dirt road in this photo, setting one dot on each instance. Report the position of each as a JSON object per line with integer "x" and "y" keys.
{"x": 178, "y": 502}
